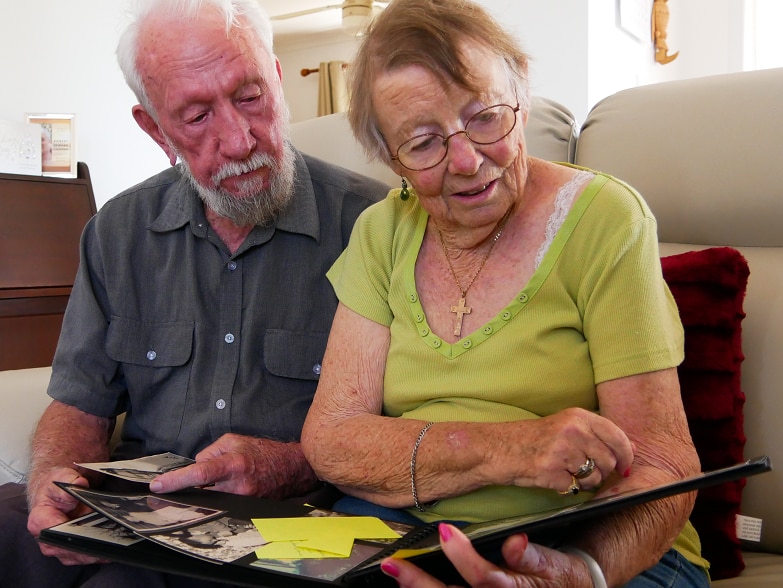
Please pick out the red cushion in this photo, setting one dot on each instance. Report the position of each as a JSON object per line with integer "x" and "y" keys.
{"x": 709, "y": 287}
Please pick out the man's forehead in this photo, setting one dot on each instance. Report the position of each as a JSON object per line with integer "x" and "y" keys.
{"x": 169, "y": 55}
{"x": 165, "y": 40}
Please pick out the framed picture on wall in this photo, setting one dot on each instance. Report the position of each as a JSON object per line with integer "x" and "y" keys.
{"x": 58, "y": 143}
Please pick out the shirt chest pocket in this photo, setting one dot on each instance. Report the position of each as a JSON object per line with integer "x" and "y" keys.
{"x": 155, "y": 363}
{"x": 149, "y": 344}
{"x": 291, "y": 354}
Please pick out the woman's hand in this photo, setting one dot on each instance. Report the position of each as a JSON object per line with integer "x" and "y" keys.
{"x": 527, "y": 565}
{"x": 571, "y": 440}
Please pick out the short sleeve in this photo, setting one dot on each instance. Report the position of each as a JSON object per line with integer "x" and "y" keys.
{"x": 631, "y": 320}
{"x": 361, "y": 276}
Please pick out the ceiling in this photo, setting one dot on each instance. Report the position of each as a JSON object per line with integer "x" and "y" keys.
{"x": 302, "y": 28}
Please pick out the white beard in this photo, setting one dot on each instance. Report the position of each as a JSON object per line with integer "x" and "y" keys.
{"x": 256, "y": 205}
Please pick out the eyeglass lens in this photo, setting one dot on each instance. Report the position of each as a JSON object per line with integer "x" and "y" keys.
{"x": 484, "y": 128}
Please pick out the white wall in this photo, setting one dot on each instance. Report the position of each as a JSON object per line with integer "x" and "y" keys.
{"x": 558, "y": 67}
{"x": 58, "y": 57}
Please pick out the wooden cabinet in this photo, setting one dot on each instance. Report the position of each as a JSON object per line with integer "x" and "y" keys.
{"x": 41, "y": 221}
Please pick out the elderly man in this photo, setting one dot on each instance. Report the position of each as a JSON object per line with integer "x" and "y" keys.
{"x": 200, "y": 307}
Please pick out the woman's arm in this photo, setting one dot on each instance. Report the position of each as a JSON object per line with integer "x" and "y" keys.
{"x": 648, "y": 407}
{"x": 623, "y": 544}
{"x": 367, "y": 455}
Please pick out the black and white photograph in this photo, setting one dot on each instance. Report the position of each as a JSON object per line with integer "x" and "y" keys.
{"x": 143, "y": 513}
{"x": 96, "y": 526}
{"x": 225, "y": 539}
{"x": 143, "y": 469}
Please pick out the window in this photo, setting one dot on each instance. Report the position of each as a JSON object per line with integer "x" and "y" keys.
{"x": 763, "y": 42}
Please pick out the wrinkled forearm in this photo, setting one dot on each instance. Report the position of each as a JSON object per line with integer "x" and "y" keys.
{"x": 369, "y": 456}
{"x": 649, "y": 408}
{"x": 288, "y": 473}
{"x": 635, "y": 539}
{"x": 65, "y": 435}
{"x": 627, "y": 543}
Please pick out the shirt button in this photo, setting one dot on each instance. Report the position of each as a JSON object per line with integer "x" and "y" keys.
{"x": 467, "y": 343}
{"x": 419, "y": 318}
{"x": 220, "y": 404}
{"x": 151, "y": 355}
{"x": 424, "y": 332}
{"x": 232, "y": 265}
{"x": 413, "y": 297}
{"x": 506, "y": 316}
{"x": 229, "y": 338}
{"x": 437, "y": 343}
{"x": 488, "y": 330}
{"x": 523, "y": 297}
{"x": 317, "y": 369}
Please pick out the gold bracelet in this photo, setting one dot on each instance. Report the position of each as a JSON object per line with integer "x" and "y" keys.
{"x": 413, "y": 465}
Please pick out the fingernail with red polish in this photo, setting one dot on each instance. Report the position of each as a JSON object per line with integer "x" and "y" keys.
{"x": 627, "y": 473}
{"x": 445, "y": 532}
{"x": 390, "y": 569}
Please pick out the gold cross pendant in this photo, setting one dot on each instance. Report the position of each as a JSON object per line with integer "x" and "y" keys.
{"x": 460, "y": 310}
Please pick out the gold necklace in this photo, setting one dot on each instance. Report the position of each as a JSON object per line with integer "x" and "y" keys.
{"x": 461, "y": 309}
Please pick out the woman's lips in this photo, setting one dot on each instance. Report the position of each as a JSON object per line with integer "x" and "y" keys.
{"x": 475, "y": 191}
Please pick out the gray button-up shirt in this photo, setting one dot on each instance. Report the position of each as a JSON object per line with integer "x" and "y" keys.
{"x": 193, "y": 342}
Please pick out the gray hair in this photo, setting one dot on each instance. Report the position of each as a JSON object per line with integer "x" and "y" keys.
{"x": 428, "y": 34}
{"x": 237, "y": 13}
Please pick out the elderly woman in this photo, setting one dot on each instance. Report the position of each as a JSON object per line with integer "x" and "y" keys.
{"x": 504, "y": 338}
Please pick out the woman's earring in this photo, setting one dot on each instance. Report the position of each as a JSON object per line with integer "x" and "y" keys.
{"x": 404, "y": 193}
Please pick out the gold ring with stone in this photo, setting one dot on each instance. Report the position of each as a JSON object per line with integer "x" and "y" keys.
{"x": 573, "y": 489}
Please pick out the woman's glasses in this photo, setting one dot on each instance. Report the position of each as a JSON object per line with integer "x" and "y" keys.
{"x": 483, "y": 128}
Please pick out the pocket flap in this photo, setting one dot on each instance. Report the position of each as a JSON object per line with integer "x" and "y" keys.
{"x": 149, "y": 344}
{"x": 293, "y": 354}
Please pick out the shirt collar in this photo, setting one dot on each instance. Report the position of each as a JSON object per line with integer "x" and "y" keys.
{"x": 300, "y": 216}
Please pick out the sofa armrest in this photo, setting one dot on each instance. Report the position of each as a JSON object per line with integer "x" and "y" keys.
{"x": 23, "y": 399}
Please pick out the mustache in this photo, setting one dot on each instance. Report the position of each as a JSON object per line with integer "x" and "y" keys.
{"x": 237, "y": 168}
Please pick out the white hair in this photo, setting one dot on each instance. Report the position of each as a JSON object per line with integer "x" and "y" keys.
{"x": 237, "y": 13}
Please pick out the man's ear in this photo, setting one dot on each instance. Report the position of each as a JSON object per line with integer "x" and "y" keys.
{"x": 149, "y": 126}
{"x": 279, "y": 69}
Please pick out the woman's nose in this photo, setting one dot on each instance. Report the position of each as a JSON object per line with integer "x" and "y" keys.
{"x": 463, "y": 155}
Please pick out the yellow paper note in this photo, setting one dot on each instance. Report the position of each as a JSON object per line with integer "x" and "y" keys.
{"x": 312, "y": 528}
{"x": 299, "y": 550}
{"x": 317, "y": 537}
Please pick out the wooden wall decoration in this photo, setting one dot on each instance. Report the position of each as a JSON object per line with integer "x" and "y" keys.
{"x": 660, "y": 22}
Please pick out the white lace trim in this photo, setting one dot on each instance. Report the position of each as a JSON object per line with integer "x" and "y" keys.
{"x": 563, "y": 201}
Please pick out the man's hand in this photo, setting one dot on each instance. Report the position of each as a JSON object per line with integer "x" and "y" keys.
{"x": 244, "y": 465}
{"x": 50, "y": 506}
{"x": 527, "y": 565}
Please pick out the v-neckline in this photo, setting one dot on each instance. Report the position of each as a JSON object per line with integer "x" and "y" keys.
{"x": 515, "y": 305}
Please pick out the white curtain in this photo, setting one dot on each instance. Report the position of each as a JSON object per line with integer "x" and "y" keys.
{"x": 332, "y": 88}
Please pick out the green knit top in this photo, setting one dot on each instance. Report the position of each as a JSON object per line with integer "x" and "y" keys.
{"x": 596, "y": 309}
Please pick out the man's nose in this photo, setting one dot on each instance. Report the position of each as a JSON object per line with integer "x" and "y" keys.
{"x": 236, "y": 136}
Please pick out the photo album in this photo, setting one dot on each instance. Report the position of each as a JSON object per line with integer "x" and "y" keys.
{"x": 260, "y": 542}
